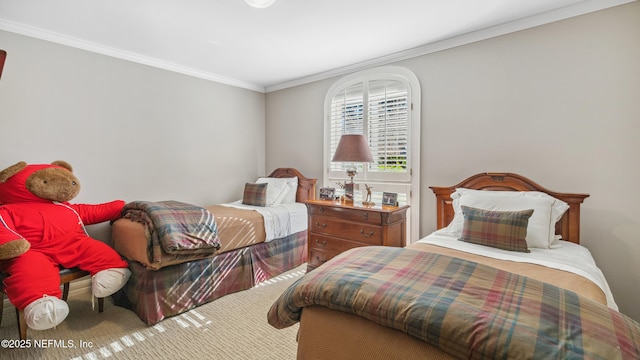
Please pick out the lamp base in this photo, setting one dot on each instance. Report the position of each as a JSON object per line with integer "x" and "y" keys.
{"x": 368, "y": 203}
{"x": 348, "y": 190}
{"x": 346, "y": 200}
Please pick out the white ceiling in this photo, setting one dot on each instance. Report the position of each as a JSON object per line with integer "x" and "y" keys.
{"x": 291, "y": 42}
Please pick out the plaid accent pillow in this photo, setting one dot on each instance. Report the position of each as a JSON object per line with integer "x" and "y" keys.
{"x": 255, "y": 194}
{"x": 499, "y": 229}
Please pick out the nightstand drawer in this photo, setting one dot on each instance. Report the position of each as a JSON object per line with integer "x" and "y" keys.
{"x": 334, "y": 245}
{"x": 322, "y": 248}
{"x": 352, "y": 231}
{"x": 358, "y": 215}
{"x": 336, "y": 227}
{"x": 319, "y": 257}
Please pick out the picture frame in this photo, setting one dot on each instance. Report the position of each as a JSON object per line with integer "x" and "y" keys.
{"x": 390, "y": 199}
{"x": 327, "y": 193}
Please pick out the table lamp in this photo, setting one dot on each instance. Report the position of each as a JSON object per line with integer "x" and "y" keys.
{"x": 352, "y": 148}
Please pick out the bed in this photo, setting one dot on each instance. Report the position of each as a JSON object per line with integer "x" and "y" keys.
{"x": 442, "y": 298}
{"x": 182, "y": 256}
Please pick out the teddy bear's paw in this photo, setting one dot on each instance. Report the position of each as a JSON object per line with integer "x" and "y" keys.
{"x": 45, "y": 313}
{"x": 107, "y": 282}
{"x": 13, "y": 249}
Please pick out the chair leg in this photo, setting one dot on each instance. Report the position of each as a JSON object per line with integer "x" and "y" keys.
{"x": 22, "y": 324}
{"x": 1, "y": 305}
{"x": 65, "y": 291}
{"x": 65, "y": 295}
{"x": 100, "y": 304}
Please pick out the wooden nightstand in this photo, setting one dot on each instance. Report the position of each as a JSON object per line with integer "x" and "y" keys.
{"x": 336, "y": 226}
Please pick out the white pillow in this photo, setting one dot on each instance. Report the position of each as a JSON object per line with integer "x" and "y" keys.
{"x": 290, "y": 197}
{"x": 278, "y": 189}
{"x": 547, "y": 210}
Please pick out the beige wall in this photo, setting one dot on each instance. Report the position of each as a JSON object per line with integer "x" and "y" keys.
{"x": 557, "y": 103}
{"x": 131, "y": 131}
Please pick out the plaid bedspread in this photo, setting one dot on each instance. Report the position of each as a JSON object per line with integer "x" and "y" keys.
{"x": 466, "y": 309}
{"x": 175, "y": 227}
{"x": 156, "y": 294}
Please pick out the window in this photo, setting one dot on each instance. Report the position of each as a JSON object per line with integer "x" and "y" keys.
{"x": 383, "y": 104}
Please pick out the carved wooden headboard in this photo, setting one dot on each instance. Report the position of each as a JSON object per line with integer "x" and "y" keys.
{"x": 568, "y": 226}
{"x": 306, "y": 187}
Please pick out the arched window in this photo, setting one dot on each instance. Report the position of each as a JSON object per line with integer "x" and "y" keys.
{"x": 383, "y": 104}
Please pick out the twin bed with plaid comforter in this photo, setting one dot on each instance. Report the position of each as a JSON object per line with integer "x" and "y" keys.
{"x": 463, "y": 308}
{"x": 182, "y": 256}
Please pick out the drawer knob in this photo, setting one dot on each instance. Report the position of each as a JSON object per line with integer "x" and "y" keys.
{"x": 321, "y": 243}
{"x": 321, "y": 210}
{"x": 369, "y": 234}
{"x": 365, "y": 215}
{"x": 322, "y": 226}
{"x": 322, "y": 261}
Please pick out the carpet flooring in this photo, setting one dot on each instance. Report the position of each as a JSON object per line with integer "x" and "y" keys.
{"x": 232, "y": 327}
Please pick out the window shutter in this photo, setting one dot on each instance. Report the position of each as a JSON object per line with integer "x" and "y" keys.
{"x": 379, "y": 109}
{"x": 388, "y": 130}
{"x": 384, "y": 104}
{"x": 347, "y": 117}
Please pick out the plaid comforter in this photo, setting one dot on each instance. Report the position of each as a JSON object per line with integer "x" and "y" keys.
{"x": 174, "y": 227}
{"x": 466, "y": 309}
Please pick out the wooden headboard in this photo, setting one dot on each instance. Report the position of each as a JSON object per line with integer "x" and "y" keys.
{"x": 568, "y": 226}
{"x": 306, "y": 187}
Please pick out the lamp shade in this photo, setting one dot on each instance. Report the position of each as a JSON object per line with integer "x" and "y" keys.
{"x": 353, "y": 148}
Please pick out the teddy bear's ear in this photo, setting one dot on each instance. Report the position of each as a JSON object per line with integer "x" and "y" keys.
{"x": 63, "y": 164}
{"x": 12, "y": 170}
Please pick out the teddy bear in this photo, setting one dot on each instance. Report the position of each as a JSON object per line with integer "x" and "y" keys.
{"x": 40, "y": 231}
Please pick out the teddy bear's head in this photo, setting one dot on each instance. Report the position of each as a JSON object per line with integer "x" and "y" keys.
{"x": 21, "y": 183}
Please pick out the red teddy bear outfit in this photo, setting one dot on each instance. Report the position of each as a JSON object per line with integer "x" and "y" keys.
{"x": 56, "y": 234}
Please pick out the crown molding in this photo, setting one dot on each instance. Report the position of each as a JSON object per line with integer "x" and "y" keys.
{"x": 566, "y": 12}
{"x": 57, "y": 38}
